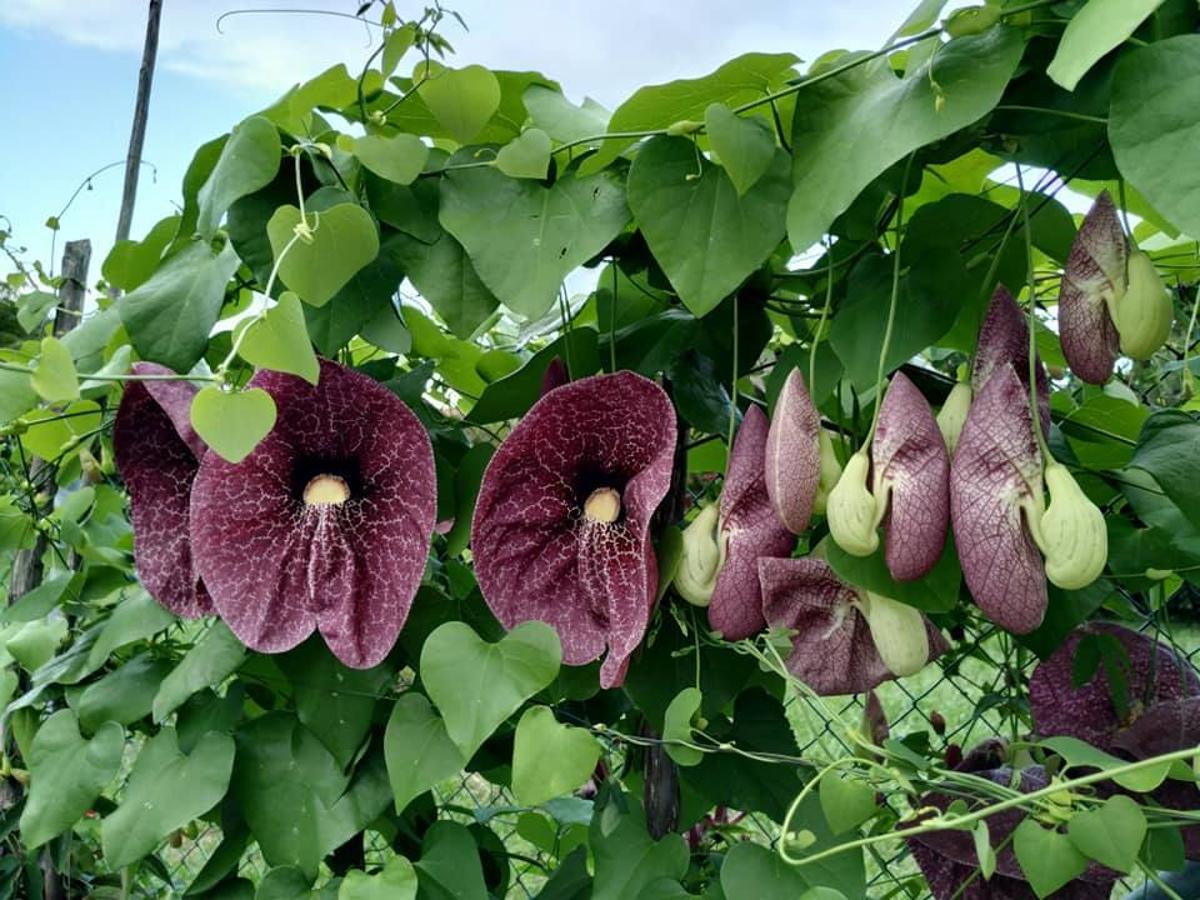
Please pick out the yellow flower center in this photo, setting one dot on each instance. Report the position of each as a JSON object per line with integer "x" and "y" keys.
{"x": 604, "y": 505}
{"x": 326, "y": 490}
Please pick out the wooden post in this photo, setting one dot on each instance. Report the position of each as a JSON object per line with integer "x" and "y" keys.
{"x": 141, "y": 112}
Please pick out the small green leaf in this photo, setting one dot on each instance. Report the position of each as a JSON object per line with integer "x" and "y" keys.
{"x": 983, "y": 849}
{"x": 279, "y": 341}
{"x": 677, "y": 726}
{"x": 450, "y": 867}
{"x": 550, "y": 759}
{"x": 462, "y": 100}
{"x": 526, "y": 156}
{"x": 232, "y": 423}
{"x": 397, "y": 880}
{"x": 217, "y": 654}
{"x": 395, "y": 45}
{"x": 846, "y": 803}
{"x": 32, "y": 309}
{"x": 248, "y": 162}
{"x": 399, "y": 158}
{"x": 477, "y": 685}
{"x": 344, "y": 240}
{"x": 418, "y": 751}
{"x": 48, "y": 431}
{"x": 1081, "y": 753}
{"x": 130, "y": 263}
{"x": 67, "y": 774}
{"x": 1099, "y": 27}
{"x": 54, "y": 377}
{"x": 1048, "y": 858}
{"x": 745, "y": 146}
{"x": 1111, "y": 834}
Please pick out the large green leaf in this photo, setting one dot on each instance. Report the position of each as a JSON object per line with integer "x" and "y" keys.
{"x": 741, "y": 80}
{"x": 443, "y": 274}
{"x": 462, "y": 100}
{"x": 524, "y": 239}
{"x": 67, "y": 774}
{"x": 550, "y": 759}
{"x": 344, "y": 240}
{"x": 744, "y": 145}
{"x": 849, "y": 129}
{"x": 706, "y": 236}
{"x": 208, "y": 663}
{"x": 449, "y": 867}
{"x": 248, "y": 162}
{"x": 477, "y": 685}
{"x": 1047, "y": 857}
{"x": 561, "y": 119}
{"x": 165, "y": 791}
{"x": 418, "y": 751}
{"x": 135, "y": 618}
{"x": 124, "y": 695}
{"x": 1111, "y": 834}
{"x": 279, "y": 341}
{"x": 1101, "y": 26}
{"x": 752, "y": 870}
{"x": 627, "y": 858}
{"x": 1154, "y": 126}
{"x": 130, "y": 263}
{"x": 1168, "y": 448}
{"x": 169, "y": 317}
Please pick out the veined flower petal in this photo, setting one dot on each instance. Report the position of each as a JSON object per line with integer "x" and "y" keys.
{"x": 325, "y": 525}
{"x": 158, "y": 452}
{"x": 793, "y": 465}
{"x": 561, "y": 527}
{"x": 1004, "y": 338}
{"x": 1093, "y": 282}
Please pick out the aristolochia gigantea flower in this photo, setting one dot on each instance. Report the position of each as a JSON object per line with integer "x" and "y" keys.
{"x": 793, "y": 464}
{"x": 1093, "y": 282}
{"x": 325, "y": 525}
{"x": 561, "y": 527}
{"x": 158, "y": 452}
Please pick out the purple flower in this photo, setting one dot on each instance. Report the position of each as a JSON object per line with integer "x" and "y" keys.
{"x": 833, "y": 648}
{"x": 1092, "y": 284}
{"x": 793, "y": 463}
{"x": 1004, "y": 338}
{"x": 749, "y": 528}
{"x": 158, "y": 453}
{"x": 561, "y": 528}
{"x": 325, "y": 525}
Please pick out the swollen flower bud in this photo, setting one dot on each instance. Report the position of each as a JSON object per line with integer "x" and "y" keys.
{"x": 1144, "y": 313}
{"x": 1071, "y": 533}
{"x": 899, "y": 633}
{"x": 953, "y": 413}
{"x": 703, "y": 556}
{"x": 831, "y": 471}
{"x": 852, "y": 509}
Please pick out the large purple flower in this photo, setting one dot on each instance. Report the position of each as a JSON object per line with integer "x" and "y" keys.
{"x": 325, "y": 525}
{"x": 561, "y": 528}
{"x": 834, "y": 649}
{"x": 1092, "y": 284}
{"x": 749, "y": 528}
{"x": 793, "y": 463}
{"x": 158, "y": 453}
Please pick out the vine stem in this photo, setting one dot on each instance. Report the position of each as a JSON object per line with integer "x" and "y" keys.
{"x": 733, "y": 389}
{"x": 812, "y": 355}
{"x": 25, "y": 370}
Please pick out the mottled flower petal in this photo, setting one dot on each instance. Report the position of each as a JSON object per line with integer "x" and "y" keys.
{"x": 750, "y": 528}
{"x": 539, "y": 555}
{"x": 282, "y": 558}
{"x": 1154, "y": 675}
{"x": 793, "y": 465}
{"x": 555, "y": 375}
{"x": 912, "y": 480}
{"x": 995, "y": 478}
{"x": 1163, "y": 728}
{"x": 1093, "y": 278}
{"x": 832, "y": 648}
{"x": 1004, "y": 338}
{"x": 158, "y": 452}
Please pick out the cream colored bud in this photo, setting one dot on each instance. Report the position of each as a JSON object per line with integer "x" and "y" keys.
{"x": 899, "y": 633}
{"x": 831, "y": 471}
{"x": 953, "y": 413}
{"x": 1144, "y": 313}
{"x": 1071, "y": 533}
{"x": 702, "y": 558}
{"x": 852, "y": 510}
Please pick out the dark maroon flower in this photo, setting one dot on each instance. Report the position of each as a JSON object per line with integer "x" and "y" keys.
{"x": 749, "y": 528}
{"x": 158, "y": 453}
{"x": 793, "y": 464}
{"x": 1092, "y": 283}
{"x": 555, "y": 375}
{"x": 325, "y": 525}
{"x": 1004, "y": 338}
{"x": 834, "y": 650}
{"x": 911, "y": 480}
{"x": 561, "y": 528}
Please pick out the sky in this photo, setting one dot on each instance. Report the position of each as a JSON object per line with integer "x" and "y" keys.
{"x": 70, "y": 71}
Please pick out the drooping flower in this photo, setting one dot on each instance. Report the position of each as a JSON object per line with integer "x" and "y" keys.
{"x": 325, "y": 525}
{"x": 749, "y": 528}
{"x": 1144, "y": 313}
{"x": 1004, "y": 338}
{"x": 793, "y": 465}
{"x": 1092, "y": 284}
{"x": 158, "y": 452}
{"x": 561, "y": 527}
{"x": 948, "y": 858}
{"x": 839, "y": 631}
{"x": 911, "y": 481}
{"x": 701, "y": 558}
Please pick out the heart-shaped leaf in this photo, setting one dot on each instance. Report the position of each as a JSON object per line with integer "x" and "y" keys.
{"x": 550, "y": 759}
{"x": 745, "y": 146}
{"x": 399, "y": 158}
{"x": 165, "y": 791}
{"x": 677, "y": 726}
{"x": 983, "y": 849}
{"x": 846, "y": 803}
{"x": 526, "y": 156}
{"x": 462, "y": 100}
{"x": 1047, "y": 857}
{"x": 217, "y": 654}
{"x": 524, "y": 239}
{"x": 706, "y": 237}
{"x": 67, "y": 774}
{"x": 344, "y": 240}
{"x": 32, "y": 309}
{"x": 279, "y": 341}
{"x": 477, "y": 685}
{"x": 47, "y": 430}
{"x": 418, "y": 750}
{"x": 248, "y": 161}
{"x": 54, "y": 377}
{"x": 1111, "y": 834}
{"x": 397, "y": 880}
{"x": 232, "y": 423}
